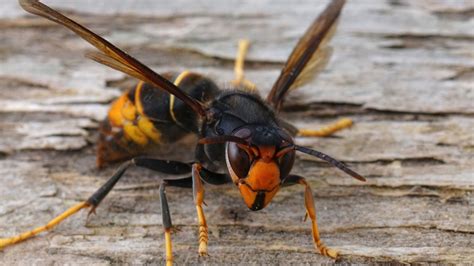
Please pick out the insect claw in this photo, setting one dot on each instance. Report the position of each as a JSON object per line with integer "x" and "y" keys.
{"x": 175, "y": 229}
{"x": 203, "y": 254}
{"x": 305, "y": 217}
{"x": 92, "y": 211}
{"x": 205, "y": 204}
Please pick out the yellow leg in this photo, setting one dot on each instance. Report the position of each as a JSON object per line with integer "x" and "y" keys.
{"x": 327, "y": 130}
{"x": 239, "y": 80}
{"x": 199, "y": 199}
{"x": 169, "y": 252}
{"x": 29, "y": 234}
{"x": 203, "y": 234}
{"x": 311, "y": 212}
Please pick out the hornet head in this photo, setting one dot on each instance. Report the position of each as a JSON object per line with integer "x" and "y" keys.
{"x": 260, "y": 157}
{"x": 259, "y": 165}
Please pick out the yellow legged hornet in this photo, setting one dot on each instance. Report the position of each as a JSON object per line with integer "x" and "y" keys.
{"x": 241, "y": 139}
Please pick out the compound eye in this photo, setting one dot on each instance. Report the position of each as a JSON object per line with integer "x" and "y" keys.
{"x": 239, "y": 160}
{"x": 286, "y": 163}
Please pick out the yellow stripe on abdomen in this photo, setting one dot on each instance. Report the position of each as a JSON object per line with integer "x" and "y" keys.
{"x": 138, "y": 102}
{"x": 137, "y": 127}
{"x": 115, "y": 112}
{"x": 135, "y": 134}
{"x": 147, "y": 127}
{"x": 176, "y": 82}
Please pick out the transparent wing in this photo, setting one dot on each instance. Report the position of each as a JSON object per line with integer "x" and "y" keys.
{"x": 118, "y": 58}
{"x": 309, "y": 56}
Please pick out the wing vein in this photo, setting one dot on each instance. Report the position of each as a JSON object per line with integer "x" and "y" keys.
{"x": 309, "y": 56}
{"x": 121, "y": 60}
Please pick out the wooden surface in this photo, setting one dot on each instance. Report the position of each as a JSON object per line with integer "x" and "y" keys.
{"x": 403, "y": 70}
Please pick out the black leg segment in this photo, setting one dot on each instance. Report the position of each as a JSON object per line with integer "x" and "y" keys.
{"x": 214, "y": 178}
{"x": 165, "y": 212}
{"x": 100, "y": 194}
{"x": 162, "y": 166}
{"x": 291, "y": 180}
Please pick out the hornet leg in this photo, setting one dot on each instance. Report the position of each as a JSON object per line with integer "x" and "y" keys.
{"x": 198, "y": 193}
{"x": 167, "y": 226}
{"x": 29, "y": 234}
{"x": 326, "y": 130}
{"x": 168, "y": 167}
{"x": 239, "y": 80}
{"x": 311, "y": 212}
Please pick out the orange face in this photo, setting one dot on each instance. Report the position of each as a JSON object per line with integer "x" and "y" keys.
{"x": 258, "y": 172}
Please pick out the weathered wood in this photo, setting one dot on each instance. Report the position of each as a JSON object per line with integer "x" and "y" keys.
{"x": 402, "y": 70}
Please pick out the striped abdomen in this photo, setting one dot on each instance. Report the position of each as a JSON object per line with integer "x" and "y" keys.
{"x": 145, "y": 117}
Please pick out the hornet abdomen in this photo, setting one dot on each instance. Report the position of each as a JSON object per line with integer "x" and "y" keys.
{"x": 144, "y": 117}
